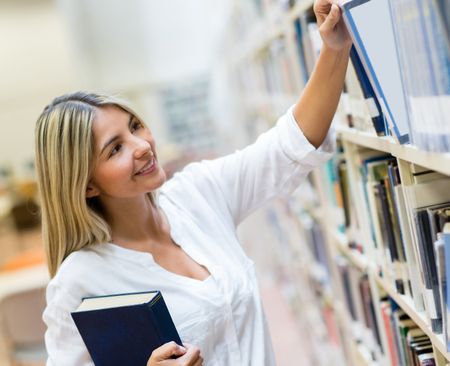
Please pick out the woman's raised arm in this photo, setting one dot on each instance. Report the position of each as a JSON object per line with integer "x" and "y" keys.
{"x": 316, "y": 107}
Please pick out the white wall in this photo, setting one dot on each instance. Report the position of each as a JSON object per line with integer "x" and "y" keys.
{"x": 35, "y": 66}
{"x": 52, "y": 47}
{"x": 126, "y": 44}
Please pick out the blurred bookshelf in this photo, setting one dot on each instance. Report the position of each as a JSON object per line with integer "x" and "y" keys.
{"x": 367, "y": 236}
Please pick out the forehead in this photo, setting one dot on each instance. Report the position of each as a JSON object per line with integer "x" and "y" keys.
{"x": 108, "y": 120}
{"x": 110, "y": 116}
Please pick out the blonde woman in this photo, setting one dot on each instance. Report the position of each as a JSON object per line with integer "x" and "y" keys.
{"x": 106, "y": 231}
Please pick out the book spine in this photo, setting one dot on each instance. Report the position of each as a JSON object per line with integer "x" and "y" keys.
{"x": 369, "y": 94}
{"x": 301, "y": 50}
{"x": 441, "y": 269}
{"x": 446, "y": 240}
{"x": 164, "y": 321}
{"x": 431, "y": 280}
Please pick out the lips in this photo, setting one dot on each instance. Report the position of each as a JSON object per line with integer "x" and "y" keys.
{"x": 148, "y": 167}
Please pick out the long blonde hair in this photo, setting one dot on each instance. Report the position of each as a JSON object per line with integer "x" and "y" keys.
{"x": 64, "y": 146}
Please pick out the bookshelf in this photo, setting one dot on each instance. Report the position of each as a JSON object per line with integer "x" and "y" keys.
{"x": 434, "y": 161}
{"x": 370, "y": 285}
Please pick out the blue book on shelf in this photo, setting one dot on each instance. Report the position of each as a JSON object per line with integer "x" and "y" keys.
{"x": 301, "y": 50}
{"x": 370, "y": 27}
{"x": 124, "y": 329}
{"x": 369, "y": 94}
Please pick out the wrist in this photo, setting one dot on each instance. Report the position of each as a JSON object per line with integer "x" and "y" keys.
{"x": 336, "y": 52}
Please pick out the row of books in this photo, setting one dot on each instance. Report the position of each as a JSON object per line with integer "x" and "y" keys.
{"x": 408, "y": 225}
{"x": 269, "y": 73}
{"x": 421, "y": 31}
{"x": 308, "y": 43}
{"x": 398, "y": 82}
{"x": 404, "y": 80}
{"x": 406, "y": 344}
{"x": 383, "y": 200}
{"x": 305, "y": 271}
{"x": 357, "y": 295}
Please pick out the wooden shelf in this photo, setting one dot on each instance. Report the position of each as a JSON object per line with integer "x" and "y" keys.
{"x": 366, "y": 139}
{"x": 419, "y": 317}
{"x": 435, "y": 161}
{"x": 355, "y": 257}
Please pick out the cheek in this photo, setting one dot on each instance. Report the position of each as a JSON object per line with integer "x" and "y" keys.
{"x": 113, "y": 171}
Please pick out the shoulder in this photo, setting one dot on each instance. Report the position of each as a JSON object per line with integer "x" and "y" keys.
{"x": 195, "y": 180}
{"x": 73, "y": 278}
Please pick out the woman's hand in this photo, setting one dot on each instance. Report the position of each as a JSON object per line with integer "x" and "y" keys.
{"x": 185, "y": 356}
{"x": 331, "y": 25}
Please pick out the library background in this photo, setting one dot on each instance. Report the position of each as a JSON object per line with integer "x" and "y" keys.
{"x": 354, "y": 266}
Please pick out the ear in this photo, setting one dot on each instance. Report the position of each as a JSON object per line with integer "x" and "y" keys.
{"x": 92, "y": 190}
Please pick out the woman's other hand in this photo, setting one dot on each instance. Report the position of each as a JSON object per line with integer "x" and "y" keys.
{"x": 184, "y": 356}
{"x": 331, "y": 25}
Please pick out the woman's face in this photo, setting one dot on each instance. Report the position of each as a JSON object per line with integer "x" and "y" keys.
{"x": 125, "y": 161}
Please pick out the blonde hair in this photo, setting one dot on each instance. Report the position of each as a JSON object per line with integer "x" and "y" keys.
{"x": 64, "y": 160}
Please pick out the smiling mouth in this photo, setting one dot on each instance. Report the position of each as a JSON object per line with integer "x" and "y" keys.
{"x": 147, "y": 168}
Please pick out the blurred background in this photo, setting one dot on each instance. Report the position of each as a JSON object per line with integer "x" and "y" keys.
{"x": 174, "y": 60}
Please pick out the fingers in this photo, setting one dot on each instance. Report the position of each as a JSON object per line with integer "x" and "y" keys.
{"x": 168, "y": 350}
{"x": 332, "y": 19}
{"x": 192, "y": 356}
{"x": 199, "y": 362}
{"x": 322, "y": 8}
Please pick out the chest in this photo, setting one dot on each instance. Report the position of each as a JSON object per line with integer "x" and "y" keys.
{"x": 173, "y": 258}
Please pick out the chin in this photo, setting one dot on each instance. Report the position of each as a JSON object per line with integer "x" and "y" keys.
{"x": 161, "y": 178}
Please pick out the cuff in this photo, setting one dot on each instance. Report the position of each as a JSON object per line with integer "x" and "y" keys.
{"x": 297, "y": 147}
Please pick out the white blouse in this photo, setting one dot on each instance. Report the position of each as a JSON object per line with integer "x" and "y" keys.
{"x": 204, "y": 203}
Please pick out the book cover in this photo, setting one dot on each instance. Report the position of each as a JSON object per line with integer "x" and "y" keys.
{"x": 378, "y": 54}
{"x": 124, "y": 329}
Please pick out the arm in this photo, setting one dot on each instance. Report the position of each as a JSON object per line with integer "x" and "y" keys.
{"x": 280, "y": 159}
{"x": 63, "y": 342}
{"x": 316, "y": 107}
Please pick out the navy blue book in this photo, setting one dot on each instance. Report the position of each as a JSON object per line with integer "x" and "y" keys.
{"x": 124, "y": 329}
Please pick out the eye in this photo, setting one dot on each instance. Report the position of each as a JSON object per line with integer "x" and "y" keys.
{"x": 135, "y": 125}
{"x": 115, "y": 150}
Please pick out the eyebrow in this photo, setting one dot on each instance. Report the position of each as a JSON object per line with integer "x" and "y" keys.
{"x": 115, "y": 137}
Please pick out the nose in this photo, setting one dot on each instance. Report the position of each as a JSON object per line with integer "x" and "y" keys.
{"x": 142, "y": 148}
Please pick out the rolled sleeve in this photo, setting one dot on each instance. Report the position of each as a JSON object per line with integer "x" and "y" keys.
{"x": 273, "y": 166}
{"x": 297, "y": 147}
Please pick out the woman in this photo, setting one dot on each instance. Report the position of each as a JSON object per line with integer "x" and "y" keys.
{"x": 107, "y": 232}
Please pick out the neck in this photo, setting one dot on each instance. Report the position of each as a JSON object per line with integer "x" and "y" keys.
{"x": 135, "y": 222}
